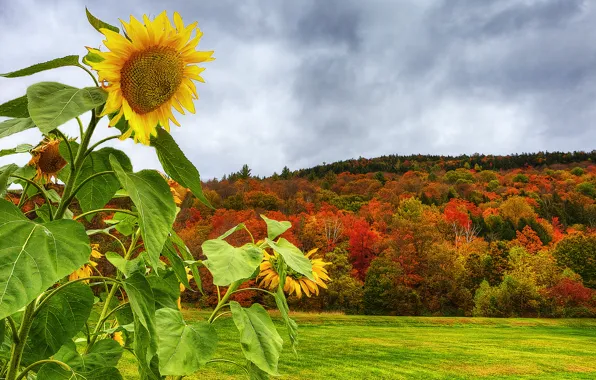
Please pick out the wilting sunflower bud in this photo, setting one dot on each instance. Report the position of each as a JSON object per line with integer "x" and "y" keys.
{"x": 47, "y": 159}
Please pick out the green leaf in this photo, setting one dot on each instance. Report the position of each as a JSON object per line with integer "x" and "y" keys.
{"x": 255, "y": 373}
{"x": 34, "y": 256}
{"x": 4, "y": 178}
{"x": 183, "y": 348}
{"x": 69, "y": 60}
{"x": 98, "y": 24}
{"x": 16, "y": 108}
{"x": 52, "y": 104}
{"x": 293, "y": 257}
{"x": 284, "y": 310}
{"x": 239, "y": 227}
{"x": 92, "y": 57}
{"x": 22, "y": 148}
{"x": 2, "y": 331}
{"x": 187, "y": 256}
{"x": 228, "y": 263}
{"x": 127, "y": 267}
{"x": 99, "y": 191}
{"x": 166, "y": 288}
{"x": 58, "y": 320}
{"x": 151, "y": 195}
{"x": 275, "y": 228}
{"x": 98, "y": 364}
{"x": 145, "y": 348}
{"x": 12, "y": 126}
{"x": 260, "y": 341}
{"x": 141, "y": 300}
{"x": 177, "y": 166}
{"x": 176, "y": 262}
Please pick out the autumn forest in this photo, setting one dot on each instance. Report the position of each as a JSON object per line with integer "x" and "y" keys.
{"x": 498, "y": 236}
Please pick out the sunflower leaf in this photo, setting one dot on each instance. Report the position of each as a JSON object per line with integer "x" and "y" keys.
{"x": 275, "y": 228}
{"x": 16, "y": 108}
{"x": 284, "y": 310}
{"x": 12, "y": 126}
{"x": 69, "y": 60}
{"x": 97, "y": 192}
{"x": 54, "y": 249}
{"x": 151, "y": 195}
{"x": 293, "y": 257}
{"x": 58, "y": 320}
{"x": 183, "y": 348}
{"x": 22, "y": 148}
{"x": 4, "y": 176}
{"x": 97, "y": 364}
{"x": 260, "y": 341}
{"x": 98, "y": 24}
{"x": 52, "y": 104}
{"x": 186, "y": 255}
{"x": 177, "y": 166}
{"x": 228, "y": 263}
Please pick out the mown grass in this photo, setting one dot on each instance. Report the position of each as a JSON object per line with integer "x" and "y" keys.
{"x": 334, "y": 346}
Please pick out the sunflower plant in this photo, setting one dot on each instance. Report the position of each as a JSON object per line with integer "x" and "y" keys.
{"x": 60, "y": 317}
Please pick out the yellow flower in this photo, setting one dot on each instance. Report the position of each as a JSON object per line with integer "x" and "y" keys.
{"x": 118, "y": 337}
{"x": 87, "y": 269}
{"x": 47, "y": 159}
{"x": 150, "y": 71}
{"x": 295, "y": 282}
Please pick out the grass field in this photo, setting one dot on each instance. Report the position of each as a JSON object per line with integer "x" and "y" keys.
{"x": 363, "y": 347}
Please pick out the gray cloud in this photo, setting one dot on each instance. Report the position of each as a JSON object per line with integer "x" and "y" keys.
{"x": 299, "y": 83}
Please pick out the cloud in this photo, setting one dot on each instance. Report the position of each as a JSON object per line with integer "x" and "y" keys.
{"x": 299, "y": 83}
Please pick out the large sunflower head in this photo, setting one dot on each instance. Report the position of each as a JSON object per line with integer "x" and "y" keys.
{"x": 47, "y": 159}
{"x": 295, "y": 282}
{"x": 150, "y": 71}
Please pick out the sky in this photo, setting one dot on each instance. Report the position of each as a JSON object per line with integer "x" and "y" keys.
{"x": 299, "y": 83}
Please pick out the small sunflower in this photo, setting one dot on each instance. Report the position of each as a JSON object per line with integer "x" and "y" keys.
{"x": 47, "y": 159}
{"x": 117, "y": 336}
{"x": 295, "y": 282}
{"x": 87, "y": 269}
{"x": 149, "y": 71}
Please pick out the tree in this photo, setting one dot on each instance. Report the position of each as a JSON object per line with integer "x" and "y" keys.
{"x": 362, "y": 242}
{"x": 578, "y": 253}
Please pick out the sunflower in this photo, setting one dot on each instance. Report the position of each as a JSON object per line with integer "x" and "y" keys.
{"x": 47, "y": 159}
{"x": 87, "y": 269}
{"x": 149, "y": 71}
{"x": 117, "y": 336}
{"x": 295, "y": 282}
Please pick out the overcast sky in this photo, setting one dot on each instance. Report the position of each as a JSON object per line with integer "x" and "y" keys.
{"x": 298, "y": 83}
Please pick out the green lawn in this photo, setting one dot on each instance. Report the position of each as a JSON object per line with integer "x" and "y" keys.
{"x": 363, "y": 347}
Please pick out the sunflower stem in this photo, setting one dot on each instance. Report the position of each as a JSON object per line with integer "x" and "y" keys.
{"x": 24, "y": 195}
{"x": 105, "y": 311}
{"x": 76, "y": 167}
{"x": 92, "y": 148}
{"x": 80, "y": 185}
{"x": 41, "y": 190}
{"x": 16, "y": 352}
{"x": 65, "y": 139}
{"x": 90, "y": 74}
{"x": 29, "y": 368}
{"x": 124, "y": 211}
{"x": 233, "y": 286}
